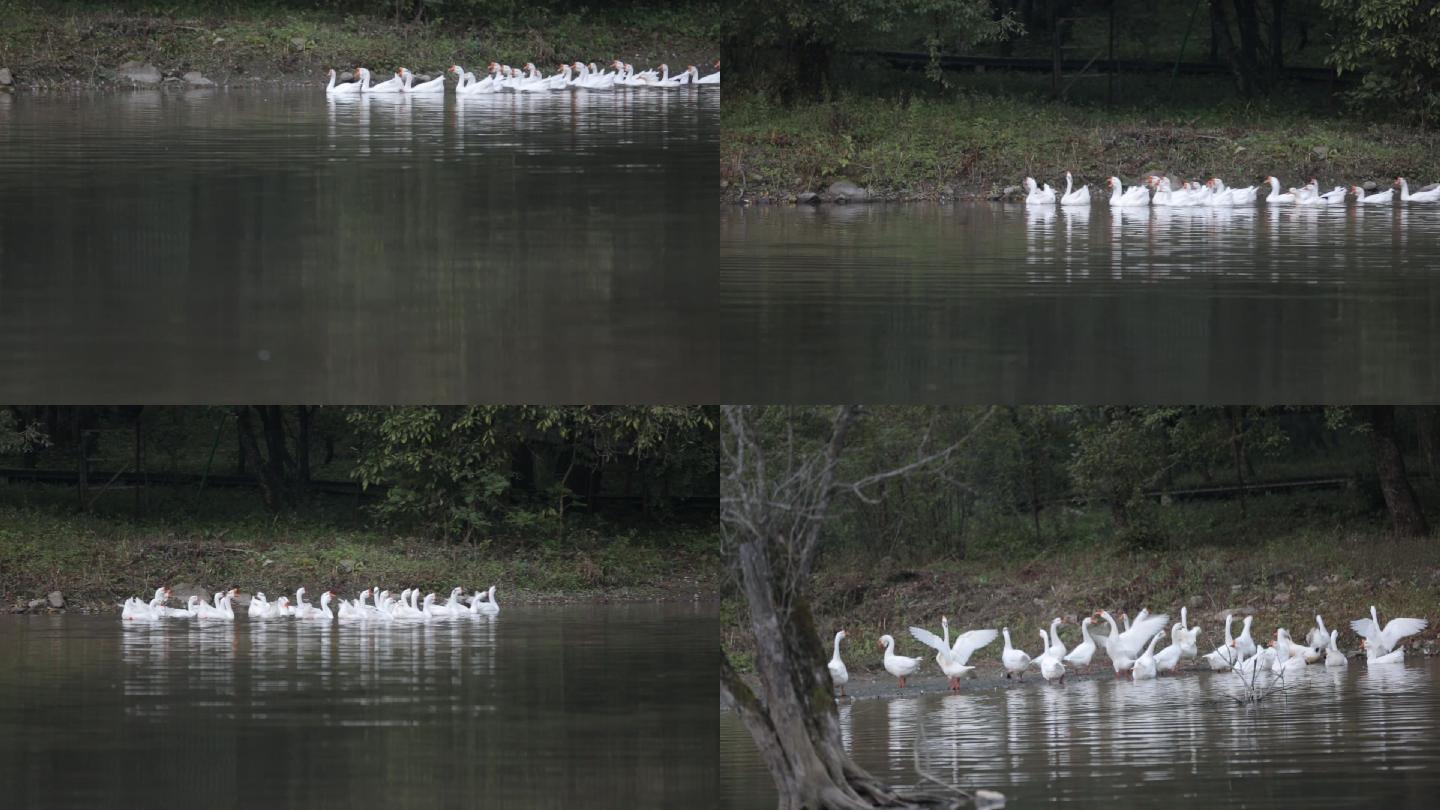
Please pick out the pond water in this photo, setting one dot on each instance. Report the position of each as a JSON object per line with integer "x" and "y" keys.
{"x": 997, "y": 303}
{"x": 1355, "y": 737}
{"x": 585, "y": 706}
{"x": 260, "y": 244}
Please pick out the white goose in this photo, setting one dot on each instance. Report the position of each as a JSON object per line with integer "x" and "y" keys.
{"x": 1223, "y": 657}
{"x": 901, "y": 666}
{"x": 1085, "y": 650}
{"x": 490, "y": 606}
{"x": 839, "y": 675}
{"x": 1051, "y": 667}
{"x": 1124, "y": 647}
{"x": 1188, "y": 635}
{"x": 137, "y": 610}
{"x": 1244, "y": 644}
{"x": 1318, "y": 638}
{"x": 258, "y": 605}
{"x": 711, "y": 78}
{"x": 1377, "y": 198}
{"x": 341, "y": 90}
{"x": 953, "y": 659}
{"x": 1080, "y": 196}
{"x": 1275, "y": 196}
{"x": 1379, "y": 642}
{"x": 1333, "y": 656}
{"x": 1145, "y": 667}
{"x": 1420, "y": 196}
{"x": 1136, "y": 196}
{"x": 1036, "y": 195}
{"x": 435, "y": 85}
{"x": 390, "y": 86}
{"x": 1168, "y": 659}
{"x": 1015, "y": 661}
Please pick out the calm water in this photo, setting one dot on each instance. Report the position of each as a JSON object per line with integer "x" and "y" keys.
{"x": 1350, "y": 738}
{"x": 990, "y": 303}
{"x": 593, "y": 706}
{"x": 268, "y": 244}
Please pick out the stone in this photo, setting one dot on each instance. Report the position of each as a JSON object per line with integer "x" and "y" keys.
{"x": 1196, "y": 601}
{"x": 57, "y": 599}
{"x": 194, "y": 79}
{"x": 1012, "y": 190}
{"x": 1311, "y": 588}
{"x": 139, "y": 72}
{"x": 844, "y": 190}
{"x": 1321, "y": 152}
{"x": 184, "y": 590}
{"x": 298, "y": 42}
{"x": 5, "y": 78}
{"x": 346, "y": 76}
{"x": 36, "y": 604}
{"x": 1236, "y": 588}
{"x": 724, "y": 184}
{"x": 348, "y": 565}
{"x": 1370, "y": 185}
{"x": 808, "y": 198}
{"x": 1282, "y": 598}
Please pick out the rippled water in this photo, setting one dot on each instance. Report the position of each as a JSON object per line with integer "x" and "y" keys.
{"x": 266, "y": 243}
{"x": 991, "y": 303}
{"x": 592, "y": 706}
{"x": 1341, "y": 738}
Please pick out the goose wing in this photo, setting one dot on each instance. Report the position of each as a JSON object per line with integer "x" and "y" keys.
{"x": 969, "y": 642}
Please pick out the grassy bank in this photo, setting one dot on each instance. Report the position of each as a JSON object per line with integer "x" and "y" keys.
{"x": 66, "y": 44}
{"x": 97, "y": 559}
{"x": 1285, "y": 559}
{"x": 971, "y": 143}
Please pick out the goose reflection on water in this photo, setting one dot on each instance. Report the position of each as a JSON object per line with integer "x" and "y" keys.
{"x": 1099, "y": 740}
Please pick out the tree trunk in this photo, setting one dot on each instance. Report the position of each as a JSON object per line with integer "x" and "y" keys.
{"x": 1235, "y": 415}
{"x": 1405, "y": 512}
{"x": 793, "y": 719}
{"x": 303, "y": 414}
{"x": 272, "y": 488}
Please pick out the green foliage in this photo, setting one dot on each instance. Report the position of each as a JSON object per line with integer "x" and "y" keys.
{"x": 1395, "y": 45}
{"x": 457, "y": 471}
{"x": 806, "y": 34}
{"x": 17, "y": 436}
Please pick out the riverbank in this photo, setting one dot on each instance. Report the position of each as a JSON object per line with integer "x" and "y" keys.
{"x": 1287, "y": 559}
{"x": 95, "y": 561}
{"x": 976, "y": 146}
{"x": 80, "y": 45}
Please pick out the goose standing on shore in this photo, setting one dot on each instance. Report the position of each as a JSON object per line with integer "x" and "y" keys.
{"x": 901, "y": 666}
{"x": 954, "y": 659}
{"x": 1145, "y": 667}
{"x": 1051, "y": 668}
{"x": 839, "y": 675}
{"x": 1224, "y": 657}
{"x": 1085, "y": 650}
{"x": 1015, "y": 661}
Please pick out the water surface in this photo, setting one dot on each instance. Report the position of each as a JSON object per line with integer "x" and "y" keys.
{"x": 265, "y": 244}
{"x": 1341, "y": 738}
{"x": 992, "y": 303}
{"x": 556, "y": 707}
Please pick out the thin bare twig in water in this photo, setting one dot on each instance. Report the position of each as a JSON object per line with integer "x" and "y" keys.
{"x": 926, "y": 775}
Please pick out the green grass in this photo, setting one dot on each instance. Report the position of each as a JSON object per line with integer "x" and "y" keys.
{"x": 1288, "y": 558}
{"x": 912, "y": 141}
{"x": 67, "y": 42}
{"x": 98, "y": 558}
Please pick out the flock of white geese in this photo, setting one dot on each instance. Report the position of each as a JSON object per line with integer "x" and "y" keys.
{"x": 1214, "y": 193}
{"x": 525, "y": 79}
{"x": 408, "y": 607}
{"x": 1132, "y": 649}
